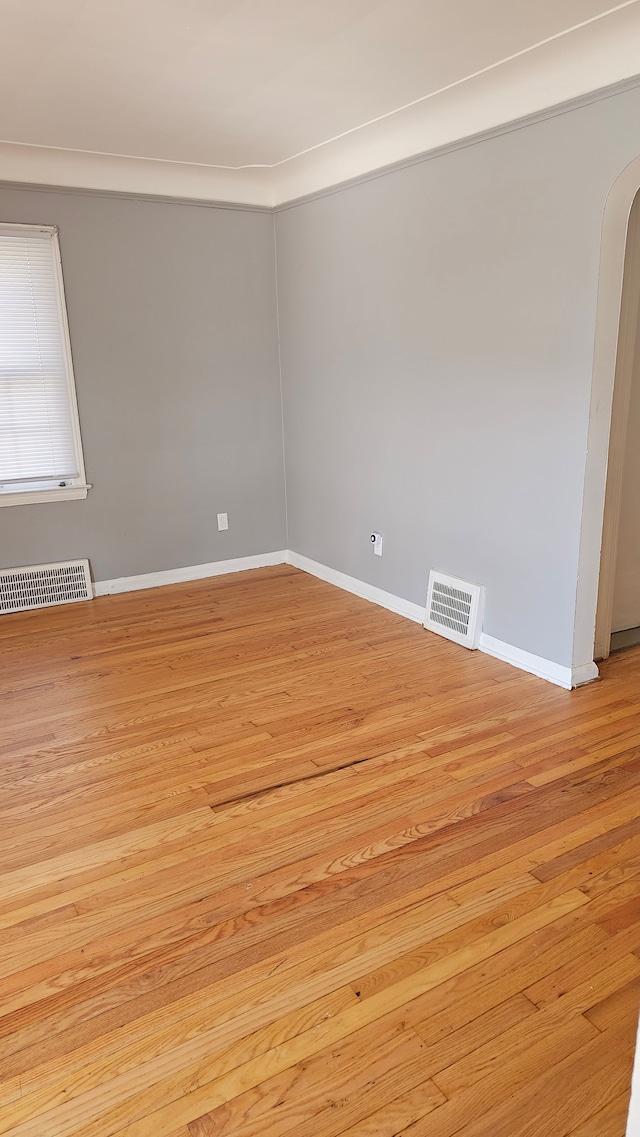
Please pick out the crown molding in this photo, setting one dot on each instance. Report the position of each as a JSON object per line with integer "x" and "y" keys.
{"x": 591, "y": 63}
{"x": 594, "y": 63}
{"x": 130, "y": 195}
{"x": 522, "y": 123}
{"x": 137, "y": 177}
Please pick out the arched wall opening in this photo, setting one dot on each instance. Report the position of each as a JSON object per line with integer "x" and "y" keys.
{"x": 616, "y": 313}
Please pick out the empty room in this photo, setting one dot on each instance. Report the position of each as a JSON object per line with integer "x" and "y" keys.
{"x": 319, "y": 568}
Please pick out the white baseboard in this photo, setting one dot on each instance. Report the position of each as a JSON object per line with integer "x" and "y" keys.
{"x": 567, "y": 677}
{"x": 524, "y": 660}
{"x": 192, "y": 572}
{"x": 584, "y": 674}
{"x": 358, "y": 587}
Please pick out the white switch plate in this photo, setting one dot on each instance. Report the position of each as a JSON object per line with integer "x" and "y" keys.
{"x": 223, "y": 521}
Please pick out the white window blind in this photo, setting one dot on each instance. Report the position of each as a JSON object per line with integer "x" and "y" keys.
{"x": 39, "y": 438}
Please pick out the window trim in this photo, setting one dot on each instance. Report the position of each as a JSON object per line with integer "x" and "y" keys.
{"x": 79, "y": 487}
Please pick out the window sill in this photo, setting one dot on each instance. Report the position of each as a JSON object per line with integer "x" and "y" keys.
{"x": 36, "y": 497}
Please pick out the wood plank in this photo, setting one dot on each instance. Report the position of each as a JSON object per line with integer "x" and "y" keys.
{"x": 517, "y": 1039}
{"x": 326, "y": 1094}
{"x": 276, "y": 861}
{"x": 621, "y": 1004}
{"x": 581, "y": 1082}
{"x": 610, "y": 1121}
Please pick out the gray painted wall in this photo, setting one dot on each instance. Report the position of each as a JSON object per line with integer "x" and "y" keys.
{"x": 173, "y": 330}
{"x": 437, "y": 328}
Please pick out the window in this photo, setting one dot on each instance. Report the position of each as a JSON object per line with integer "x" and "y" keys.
{"x": 40, "y": 448}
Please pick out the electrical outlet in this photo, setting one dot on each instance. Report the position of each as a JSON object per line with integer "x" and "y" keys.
{"x": 376, "y": 541}
{"x": 223, "y": 521}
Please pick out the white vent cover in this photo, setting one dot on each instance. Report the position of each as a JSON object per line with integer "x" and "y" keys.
{"x": 454, "y": 609}
{"x": 39, "y": 586}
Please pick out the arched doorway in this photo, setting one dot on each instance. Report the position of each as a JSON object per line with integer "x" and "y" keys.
{"x": 616, "y": 520}
{"x": 616, "y": 317}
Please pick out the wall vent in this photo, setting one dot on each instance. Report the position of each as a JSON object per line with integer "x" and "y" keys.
{"x": 40, "y": 586}
{"x": 454, "y": 609}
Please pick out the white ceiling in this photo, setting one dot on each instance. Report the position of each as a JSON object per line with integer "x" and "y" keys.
{"x": 262, "y": 100}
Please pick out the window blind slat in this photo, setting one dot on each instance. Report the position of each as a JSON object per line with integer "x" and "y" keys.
{"x": 36, "y": 428}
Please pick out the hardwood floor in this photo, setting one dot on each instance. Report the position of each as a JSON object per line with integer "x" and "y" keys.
{"x": 276, "y": 861}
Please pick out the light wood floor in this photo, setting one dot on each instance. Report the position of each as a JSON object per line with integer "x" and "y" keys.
{"x": 275, "y": 861}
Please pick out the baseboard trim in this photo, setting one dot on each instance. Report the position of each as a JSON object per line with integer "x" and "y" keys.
{"x": 566, "y": 677}
{"x": 358, "y": 587}
{"x": 585, "y": 673}
{"x": 191, "y": 572}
